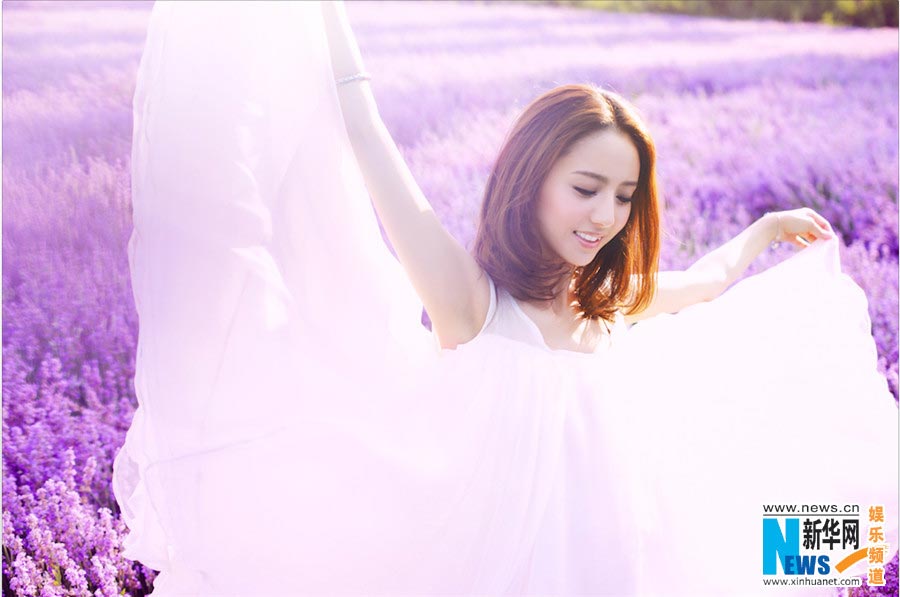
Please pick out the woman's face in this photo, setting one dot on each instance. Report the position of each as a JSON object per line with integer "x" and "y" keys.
{"x": 586, "y": 198}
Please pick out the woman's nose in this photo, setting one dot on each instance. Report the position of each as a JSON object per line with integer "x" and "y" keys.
{"x": 603, "y": 213}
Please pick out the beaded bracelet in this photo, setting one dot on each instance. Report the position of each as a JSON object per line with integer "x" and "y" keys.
{"x": 357, "y": 76}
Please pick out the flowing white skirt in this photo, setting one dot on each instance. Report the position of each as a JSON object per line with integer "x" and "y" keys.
{"x": 298, "y": 431}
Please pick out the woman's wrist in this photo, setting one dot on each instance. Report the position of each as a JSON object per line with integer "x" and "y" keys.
{"x": 773, "y": 225}
{"x": 357, "y": 101}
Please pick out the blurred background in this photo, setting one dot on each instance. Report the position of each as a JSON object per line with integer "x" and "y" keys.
{"x": 754, "y": 106}
{"x": 858, "y": 13}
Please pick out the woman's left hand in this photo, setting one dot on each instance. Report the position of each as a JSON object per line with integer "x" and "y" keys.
{"x": 801, "y": 226}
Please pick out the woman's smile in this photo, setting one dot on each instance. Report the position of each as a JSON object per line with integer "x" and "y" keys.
{"x": 588, "y": 241}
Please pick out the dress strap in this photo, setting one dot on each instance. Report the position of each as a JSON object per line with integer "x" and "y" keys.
{"x": 492, "y": 308}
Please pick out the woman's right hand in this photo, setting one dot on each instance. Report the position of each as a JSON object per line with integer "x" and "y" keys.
{"x": 345, "y": 55}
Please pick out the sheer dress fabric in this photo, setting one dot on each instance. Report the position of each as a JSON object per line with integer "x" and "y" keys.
{"x": 300, "y": 432}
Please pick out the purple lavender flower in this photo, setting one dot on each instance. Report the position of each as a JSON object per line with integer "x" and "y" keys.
{"x": 748, "y": 116}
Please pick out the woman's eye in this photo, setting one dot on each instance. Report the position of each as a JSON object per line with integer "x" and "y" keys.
{"x": 587, "y": 193}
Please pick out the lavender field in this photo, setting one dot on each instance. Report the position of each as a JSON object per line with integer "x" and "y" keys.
{"x": 748, "y": 117}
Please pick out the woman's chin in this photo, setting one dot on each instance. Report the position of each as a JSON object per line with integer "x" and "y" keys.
{"x": 580, "y": 260}
{"x": 577, "y": 258}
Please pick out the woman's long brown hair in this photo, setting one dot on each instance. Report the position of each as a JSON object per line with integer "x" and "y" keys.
{"x": 508, "y": 244}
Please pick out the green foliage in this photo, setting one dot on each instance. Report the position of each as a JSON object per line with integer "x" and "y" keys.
{"x": 858, "y": 13}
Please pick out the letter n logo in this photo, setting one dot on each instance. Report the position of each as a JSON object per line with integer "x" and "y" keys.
{"x": 776, "y": 544}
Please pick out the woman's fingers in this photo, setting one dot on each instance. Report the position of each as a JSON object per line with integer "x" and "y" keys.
{"x": 814, "y": 234}
{"x": 820, "y": 219}
{"x": 822, "y": 224}
{"x": 805, "y": 226}
{"x": 811, "y": 237}
{"x": 803, "y": 239}
{"x": 823, "y": 230}
{"x": 817, "y": 227}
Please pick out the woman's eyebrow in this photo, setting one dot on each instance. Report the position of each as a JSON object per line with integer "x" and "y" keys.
{"x": 602, "y": 178}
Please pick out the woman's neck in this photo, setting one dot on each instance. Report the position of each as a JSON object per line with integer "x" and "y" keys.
{"x": 563, "y": 296}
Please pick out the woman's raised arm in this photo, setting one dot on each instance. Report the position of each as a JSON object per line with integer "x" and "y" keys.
{"x": 448, "y": 280}
{"x": 713, "y": 273}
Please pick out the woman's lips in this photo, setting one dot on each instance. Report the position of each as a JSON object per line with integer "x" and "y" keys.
{"x": 587, "y": 244}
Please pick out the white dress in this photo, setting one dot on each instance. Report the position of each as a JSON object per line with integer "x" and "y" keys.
{"x": 299, "y": 431}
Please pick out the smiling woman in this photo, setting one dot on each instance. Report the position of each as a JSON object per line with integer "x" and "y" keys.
{"x": 532, "y": 211}
{"x": 594, "y": 217}
{"x": 299, "y": 431}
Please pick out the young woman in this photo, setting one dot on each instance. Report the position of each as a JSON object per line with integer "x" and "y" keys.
{"x": 299, "y": 430}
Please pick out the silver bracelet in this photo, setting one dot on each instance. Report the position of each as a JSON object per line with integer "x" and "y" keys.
{"x": 357, "y": 76}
